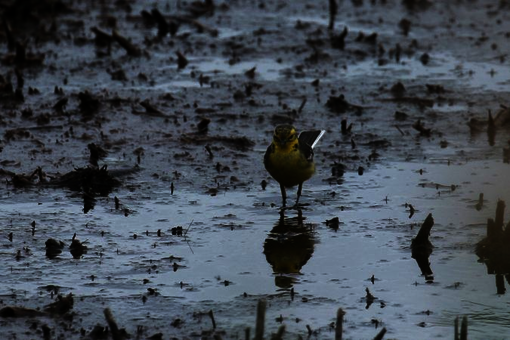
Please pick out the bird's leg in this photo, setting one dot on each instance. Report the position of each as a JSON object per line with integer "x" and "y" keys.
{"x": 284, "y": 195}
{"x": 299, "y": 192}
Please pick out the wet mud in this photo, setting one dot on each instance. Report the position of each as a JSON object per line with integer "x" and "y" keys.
{"x": 134, "y": 201}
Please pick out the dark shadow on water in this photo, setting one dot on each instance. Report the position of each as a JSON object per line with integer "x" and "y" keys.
{"x": 89, "y": 202}
{"x": 288, "y": 247}
{"x": 491, "y": 135}
{"x": 494, "y": 249}
{"x": 498, "y": 266}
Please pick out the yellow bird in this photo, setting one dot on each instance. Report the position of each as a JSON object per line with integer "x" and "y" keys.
{"x": 289, "y": 158}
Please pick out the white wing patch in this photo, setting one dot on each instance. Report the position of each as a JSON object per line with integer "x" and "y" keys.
{"x": 318, "y": 138}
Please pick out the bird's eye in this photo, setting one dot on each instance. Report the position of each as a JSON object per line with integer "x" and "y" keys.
{"x": 292, "y": 137}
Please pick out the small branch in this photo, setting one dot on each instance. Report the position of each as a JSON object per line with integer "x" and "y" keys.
{"x": 188, "y": 228}
{"x": 400, "y": 130}
{"x": 303, "y": 103}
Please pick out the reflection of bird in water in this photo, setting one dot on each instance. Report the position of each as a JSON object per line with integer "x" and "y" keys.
{"x": 422, "y": 248}
{"x": 288, "y": 248}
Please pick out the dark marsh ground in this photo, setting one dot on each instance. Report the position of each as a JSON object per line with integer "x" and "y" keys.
{"x": 183, "y": 97}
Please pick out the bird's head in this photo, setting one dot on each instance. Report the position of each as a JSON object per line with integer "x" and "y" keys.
{"x": 285, "y": 136}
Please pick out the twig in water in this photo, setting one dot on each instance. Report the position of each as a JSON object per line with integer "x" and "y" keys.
{"x": 185, "y": 239}
{"x": 189, "y": 245}
{"x": 188, "y": 228}
{"x": 400, "y": 130}
{"x": 303, "y": 103}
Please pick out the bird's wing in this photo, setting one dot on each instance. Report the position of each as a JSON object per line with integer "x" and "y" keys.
{"x": 310, "y": 137}
{"x": 269, "y": 151}
{"x": 307, "y": 140}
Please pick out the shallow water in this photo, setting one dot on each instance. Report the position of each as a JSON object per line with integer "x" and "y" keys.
{"x": 489, "y": 76}
{"x": 235, "y": 243}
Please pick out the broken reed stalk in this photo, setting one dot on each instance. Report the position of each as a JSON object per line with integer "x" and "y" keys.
{"x": 492, "y": 231}
{"x": 279, "y": 333}
{"x": 339, "y": 324}
{"x": 495, "y": 227}
{"x": 114, "y": 328}
{"x": 333, "y": 9}
{"x": 500, "y": 211}
{"x": 479, "y": 204}
{"x": 247, "y": 333}
{"x": 456, "y": 329}
{"x": 46, "y": 332}
{"x": 464, "y": 328}
{"x": 127, "y": 45}
{"x": 506, "y": 232}
{"x": 500, "y": 284}
{"x": 211, "y": 315}
{"x": 261, "y": 315}
{"x": 380, "y": 335}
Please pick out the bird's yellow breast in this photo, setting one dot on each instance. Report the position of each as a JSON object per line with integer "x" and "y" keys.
{"x": 288, "y": 166}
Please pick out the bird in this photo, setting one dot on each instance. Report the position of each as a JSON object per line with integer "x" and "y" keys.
{"x": 289, "y": 158}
